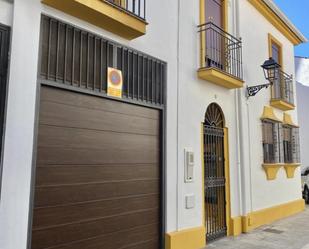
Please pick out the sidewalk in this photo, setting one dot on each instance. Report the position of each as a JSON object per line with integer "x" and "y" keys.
{"x": 290, "y": 233}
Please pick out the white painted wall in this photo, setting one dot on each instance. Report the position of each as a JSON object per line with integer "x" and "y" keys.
{"x": 17, "y": 157}
{"x": 160, "y": 41}
{"x": 302, "y": 78}
{"x": 6, "y": 12}
{"x": 194, "y": 97}
{"x": 254, "y": 31}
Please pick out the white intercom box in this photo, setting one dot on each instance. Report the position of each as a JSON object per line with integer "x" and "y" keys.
{"x": 189, "y": 165}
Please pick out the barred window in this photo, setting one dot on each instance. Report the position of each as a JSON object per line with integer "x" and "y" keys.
{"x": 291, "y": 147}
{"x": 270, "y": 141}
{"x": 295, "y": 145}
{"x": 287, "y": 144}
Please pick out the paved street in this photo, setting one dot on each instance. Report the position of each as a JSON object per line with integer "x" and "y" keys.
{"x": 290, "y": 233}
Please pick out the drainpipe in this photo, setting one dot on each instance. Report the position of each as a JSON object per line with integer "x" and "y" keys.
{"x": 246, "y": 177}
{"x": 177, "y": 135}
{"x": 238, "y": 117}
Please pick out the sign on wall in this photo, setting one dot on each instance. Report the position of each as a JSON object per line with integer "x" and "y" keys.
{"x": 114, "y": 82}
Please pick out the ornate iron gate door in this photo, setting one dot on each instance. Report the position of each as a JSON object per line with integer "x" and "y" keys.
{"x": 215, "y": 203}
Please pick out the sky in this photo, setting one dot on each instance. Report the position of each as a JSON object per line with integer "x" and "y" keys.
{"x": 298, "y": 12}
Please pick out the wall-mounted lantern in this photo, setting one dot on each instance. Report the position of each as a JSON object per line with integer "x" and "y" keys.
{"x": 271, "y": 72}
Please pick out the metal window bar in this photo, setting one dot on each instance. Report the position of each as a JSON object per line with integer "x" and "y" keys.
{"x": 80, "y": 59}
{"x": 283, "y": 87}
{"x": 215, "y": 202}
{"x": 134, "y": 7}
{"x": 287, "y": 144}
{"x": 268, "y": 130}
{"x": 222, "y": 50}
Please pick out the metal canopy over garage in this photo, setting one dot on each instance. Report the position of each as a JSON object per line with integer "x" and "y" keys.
{"x": 99, "y": 160}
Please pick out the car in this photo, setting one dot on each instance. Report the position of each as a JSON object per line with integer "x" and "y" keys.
{"x": 305, "y": 184}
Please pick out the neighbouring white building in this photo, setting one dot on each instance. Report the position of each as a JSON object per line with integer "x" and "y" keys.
{"x": 302, "y": 84}
{"x": 145, "y": 124}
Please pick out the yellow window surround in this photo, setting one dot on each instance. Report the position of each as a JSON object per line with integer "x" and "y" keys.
{"x": 272, "y": 40}
{"x": 290, "y": 169}
{"x": 103, "y": 14}
{"x": 268, "y": 114}
{"x": 271, "y": 170}
{"x": 287, "y": 119}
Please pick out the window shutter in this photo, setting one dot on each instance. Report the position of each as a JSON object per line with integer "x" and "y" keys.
{"x": 276, "y": 142}
{"x": 280, "y": 143}
{"x": 295, "y": 146}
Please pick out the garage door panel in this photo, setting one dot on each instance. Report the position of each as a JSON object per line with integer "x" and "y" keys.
{"x": 67, "y": 194}
{"x": 73, "y": 146}
{"x": 74, "y": 174}
{"x": 57, "y": 215}
{"x": 98, "y": 174}
{"x": 96, "y": 103}
{"x": 69, "y": 116}
{"x": 68, "y": 233}
{"x": 124, "y": 238}
{"x": 52, "y": 155}
{"x": 92, "y": 139}
{"x": 151, "y": 244}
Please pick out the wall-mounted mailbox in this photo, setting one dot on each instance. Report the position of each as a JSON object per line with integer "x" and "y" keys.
{"x": 189, "y": 165}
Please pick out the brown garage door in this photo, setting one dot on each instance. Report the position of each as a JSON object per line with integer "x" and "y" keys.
{"x": 97, "y": 175}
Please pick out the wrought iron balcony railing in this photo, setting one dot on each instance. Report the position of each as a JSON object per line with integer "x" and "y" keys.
{"x": 282, "y": 88}
{"x": 220, "y": 50}
{"x": 134, "y": 7}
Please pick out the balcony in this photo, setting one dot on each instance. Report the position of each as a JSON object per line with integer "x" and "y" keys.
{"x": 282, "y": 95}
{"x": 125, "y": 18}
{"x": 221, "y": 57}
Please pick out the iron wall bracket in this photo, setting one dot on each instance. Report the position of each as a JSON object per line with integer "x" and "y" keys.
{"x": 253, "y": 90}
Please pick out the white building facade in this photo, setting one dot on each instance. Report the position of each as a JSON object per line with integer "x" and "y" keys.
{"x": 179, "y": 156}
{"x": 302, "y": 84}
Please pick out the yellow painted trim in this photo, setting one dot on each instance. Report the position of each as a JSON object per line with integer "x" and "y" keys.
{"x": 225, "y": 15}
{"x": 236, "y": 226}
{"x": 104, "y": 15}
{"x": 202, "y": 37}
{"x": 290, "y": 169}
{"x": 282, "y": 105}
{"x": 193, "y": 238}
{"x": 269, "y": 215}
{"x": 203, "y": 175}
{"x": 287, "y": 119}
{"x": 271, "y": 170}
{"x": 219, "y": 78}
{"x": 268, "y": 113}
{"x": 227, "y": 182}
{"x": 276, "y": 21}
{"x": 273, "y": 40}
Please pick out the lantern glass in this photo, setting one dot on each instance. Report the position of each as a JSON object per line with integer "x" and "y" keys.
{"x": 271, "y": 70}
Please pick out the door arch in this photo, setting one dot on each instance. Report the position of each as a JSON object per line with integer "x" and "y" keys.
{"x": 215, "y": 173}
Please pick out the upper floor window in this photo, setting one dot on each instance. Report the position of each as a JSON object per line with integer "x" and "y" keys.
{"x": 221, "y": 52}
{"x": 214, "y": 12}
{"x": 275, "y": 49}
{"x": 282, "y": 92}
{"x": 276, "y": 52}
